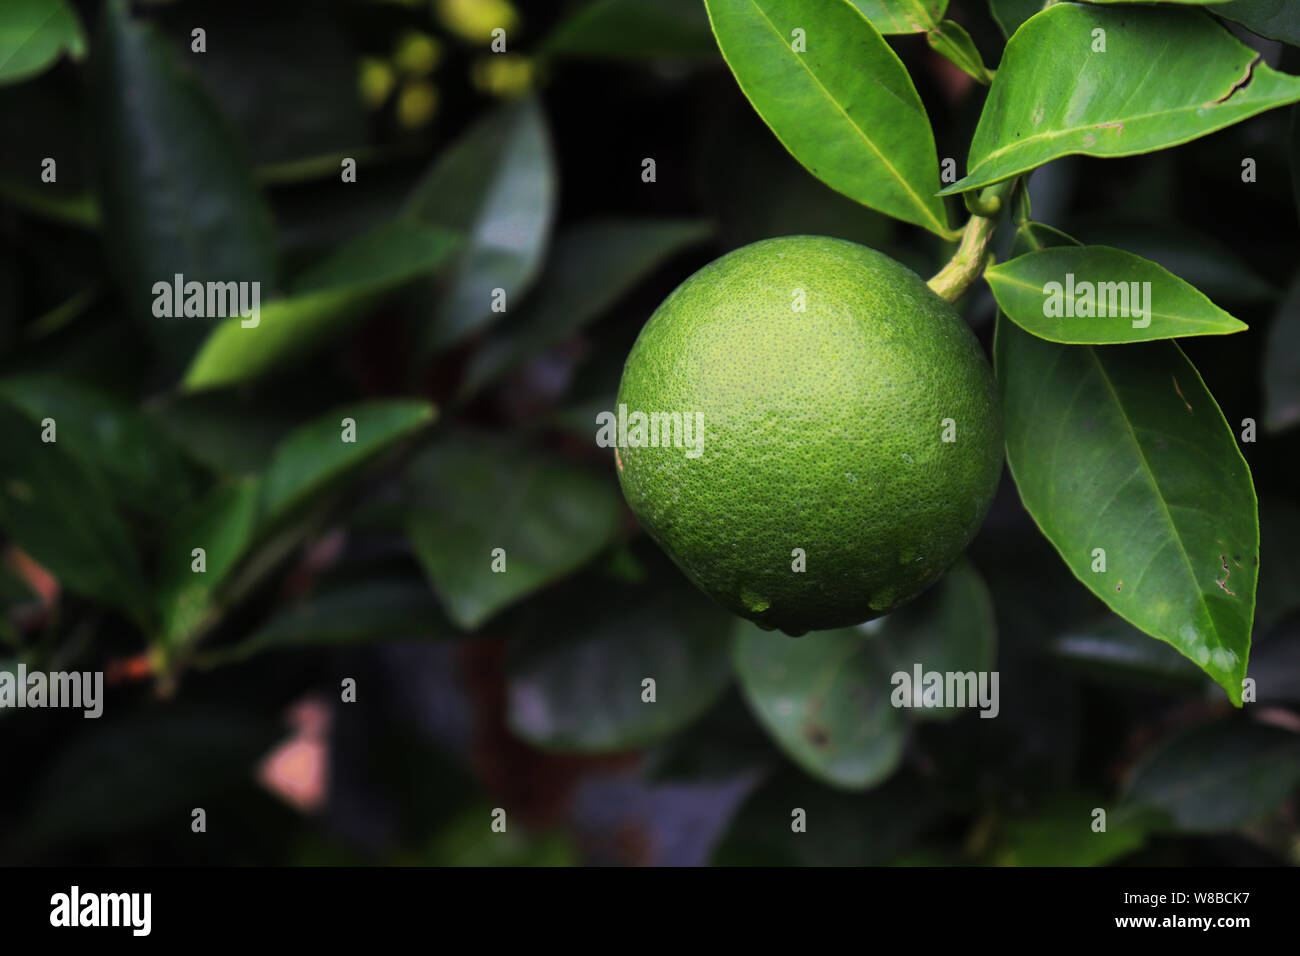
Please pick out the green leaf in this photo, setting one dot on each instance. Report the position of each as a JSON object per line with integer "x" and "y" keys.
{"x": 497, "y": 185}
{"x": 1054, "y": 96}
{"x": 474, "y": 495}
{"x": 1275, "y": 19}
{"x": 1061, "y": 834}
{"x": 1115, "y": 650}
{"x": 824, "y": 698}
{"x": 1010, "y": 14}
{"x": 324, "y": 452}
{"x": 223, "y": 523}
{"x": 845, "y": 108}
{"x": 634, "y": 29}
{"x": 35, "y": 33}
{"x": 324, "y": 300}
{"x": 64, "y": 518}
{"x": 175, "y": 193}
{"x": 1282, "y": 364}
{"x": 902, "y": 16}
{"x": 952, "y": 40}
{"x": 1096, "y": 280}
{"x": 576, "y": 685}
{"x": 592, "y": 266}
{"x": 1218, "y": 776}
{"x": 1124, "y": 449}
{"x": 128, "y": 452}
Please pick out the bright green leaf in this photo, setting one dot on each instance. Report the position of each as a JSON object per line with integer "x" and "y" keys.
{"x": 473, "y": 496}
{"x": 496, "y": 185}
{"x": 324, "y": 300}
{"x": 844, "y": 107}
{"x": 1056, "y": 95}
{"x": 34, "y": 34}
{"x": 1098, "y": 295}
{"x": 902, "y": 16}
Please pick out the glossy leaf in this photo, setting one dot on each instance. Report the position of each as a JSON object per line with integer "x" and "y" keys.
{"x": 316, "y": 456}
{"x": 1217, "y": 777}
{"x": 130, "y": 454}
{"x": 62, "y": 516}
{"x": 1054, "y": 96}
{"x": 496, "y": 185}
{"x": 1124, "y": 449}
{"x": 1282, "y": 364}
{"x": 1142, "y": 301}
{"x": 577, "y": 686}
{"x": 591, "y": 267}
{"x": 902, "y": 16}
{"x": 846, "y": 108}
{"x": 323, "y": 301}
{"x": 175, "y": 194}
{"x": 473, "y": 495}
{"x": 1275, "y": 19}
{"x": 34, "y": 34}
{"x": 627, "y": 29}
{"x": 952, "y": 40}
{"x": 824, "y": 698}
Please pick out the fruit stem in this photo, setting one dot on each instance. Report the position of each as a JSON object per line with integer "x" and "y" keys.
{"x": 972, "y": 256}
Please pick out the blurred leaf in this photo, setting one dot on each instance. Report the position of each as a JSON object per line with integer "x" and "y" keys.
{"x": 176, "y": 196}
{"x": 227, "y": 436}
{"x": 223, "y": 524}
{"x": 354, "y": 612}
{"x": 1278, "y": 591}
{"x": 317, "y": 455}
{"x": 902, "y": 16}
{"x": 1282, "y": 364}
{"x": 1150, "y": 473}
{"x": 497, "y": 185}
{"x": 634, "y": 29}
{"x": 63, "y": 517}
{"x": 120, "y": 776}
{"x": 35, "y": 33}
{"x": 826, "y": 104}
{"x": 322, "y": 301}
{"x": 1009, "y": 14}
{"x": 825, "y": 700}
{"x": 1104, "y": 105}
{"x": 949, "y": 629}
{"x": 1218, "y": 776}
{"x": 1212, "y": 266}
{"x": 1172, "y": 307}
{"x": 127, "y": 451}
{"x": 1061, "y": 834}
{"x": 469, "y": 840}
{"x": 1116, "y": 649}
{"x": 1275, "y": 19}
{"x": 592, "y": 266}
{"x": 576, "y": 686}
{"x": 473, "y": 495}
{"x": 842, "y": 829}
{"x": 952, "y": 41}
{"x": 1275, "y": 665}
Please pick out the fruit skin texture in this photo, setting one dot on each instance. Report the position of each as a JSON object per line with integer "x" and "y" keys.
{"x": 822, "y": 431}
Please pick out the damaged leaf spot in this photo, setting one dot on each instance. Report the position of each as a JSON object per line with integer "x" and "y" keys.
{"x": 817, "y": 735}
{"x": 1180, "y": 393}
{"x": 1223, "y": 560}
{"x": 1245, "y": 78}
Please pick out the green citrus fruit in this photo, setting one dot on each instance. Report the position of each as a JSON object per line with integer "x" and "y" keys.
{"x": 851, "y": 440}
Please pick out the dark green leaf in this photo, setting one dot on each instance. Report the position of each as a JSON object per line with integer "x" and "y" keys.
{"x": 1142, "y": 465}
{"x": 1282, "y": 364}
{"x": 128, "y": 452}
{"x": 473, "y": 496}
{"x": 845, "y": 108}
{"x": 1278, "y": 592}
{"x": 592, "y": 266}
{"x": 1061, "y": 834}
{"x": 902, "y": 16}
{"x": 176, "y": 196}
{"x": 496, "y": 185}
{"x": 1275, "y": 19}
{"x": 322, "y": 301}
{"x": 1110, "y": 285}
{"x": 1117, "y": 650}
{"x": 1218, "y": 776}
{"x": 1010, "y": 14}
{"x": 577, "y": 685}
{"x": 1055, "y": 96}
{"x": 63, "y": 517}
{"x": 626, "y": 29}
{"x": 35, "y": 33}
